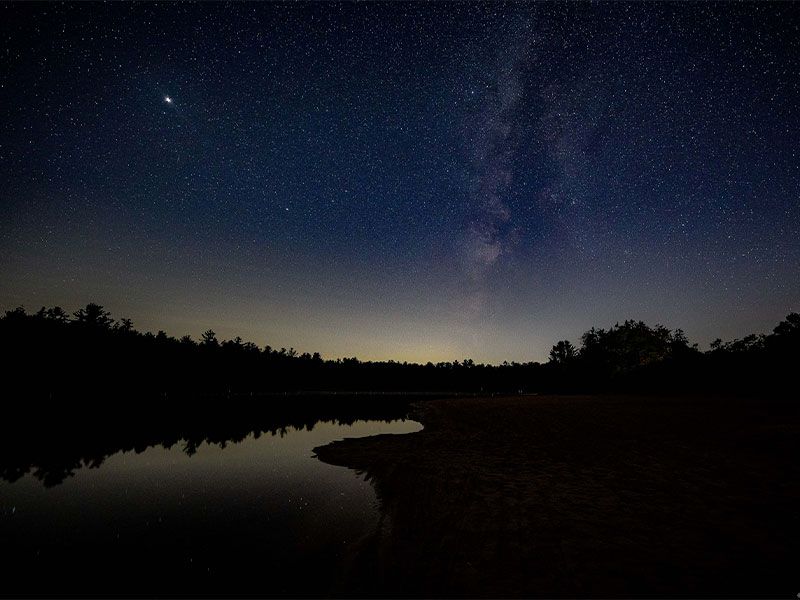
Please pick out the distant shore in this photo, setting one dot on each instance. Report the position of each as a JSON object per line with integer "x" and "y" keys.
{"x": 583, "y": 496}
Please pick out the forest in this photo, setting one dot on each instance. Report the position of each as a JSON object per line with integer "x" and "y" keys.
{"x": 51, "y": 354}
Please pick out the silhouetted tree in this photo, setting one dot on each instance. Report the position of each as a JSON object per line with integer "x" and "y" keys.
{"x": 562, "y": 353}
{"x": 785, "y": 338}
{"x": 209, "y": 338}
{"x": 55, "y": 314}
{"x": 94, "y": 316}
{"x": 125, "y": 325}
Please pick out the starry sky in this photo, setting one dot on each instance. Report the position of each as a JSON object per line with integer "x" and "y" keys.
{"x": 410, "y": 181}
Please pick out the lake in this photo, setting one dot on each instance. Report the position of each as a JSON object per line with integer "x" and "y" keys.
{"x": 257, "y": 516}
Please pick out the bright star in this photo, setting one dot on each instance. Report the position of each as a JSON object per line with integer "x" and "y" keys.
{"x": 167, "y": 99}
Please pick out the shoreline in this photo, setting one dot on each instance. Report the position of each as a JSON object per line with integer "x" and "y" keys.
{"x": 582, "y": 496}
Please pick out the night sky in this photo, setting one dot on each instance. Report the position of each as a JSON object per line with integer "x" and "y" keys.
{"x": 408, "y": 181}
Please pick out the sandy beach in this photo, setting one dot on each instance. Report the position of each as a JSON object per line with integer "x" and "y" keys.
{"x": 583, "y": 496}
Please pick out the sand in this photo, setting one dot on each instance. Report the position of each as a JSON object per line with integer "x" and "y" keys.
{"x": 583, "y": 496}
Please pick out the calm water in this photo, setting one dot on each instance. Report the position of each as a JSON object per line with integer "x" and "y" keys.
{"x": 260, "y": 516}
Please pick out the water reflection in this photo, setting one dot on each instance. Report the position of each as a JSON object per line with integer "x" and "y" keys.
{"x": 54, "y": 447}
{"x": 215, "y": 507}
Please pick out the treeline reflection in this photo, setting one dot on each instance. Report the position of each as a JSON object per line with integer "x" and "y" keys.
{"x": 53, "y": 449}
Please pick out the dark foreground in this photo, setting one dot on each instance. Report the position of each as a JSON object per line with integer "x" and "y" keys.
{"x": 579, "y": 496}
{"x": 214, "y": 505}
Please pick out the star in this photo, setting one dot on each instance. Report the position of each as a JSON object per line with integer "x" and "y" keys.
{"x": 167, "y": 99}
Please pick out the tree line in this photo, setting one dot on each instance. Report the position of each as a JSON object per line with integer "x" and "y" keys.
{"x": 53, "y": 353}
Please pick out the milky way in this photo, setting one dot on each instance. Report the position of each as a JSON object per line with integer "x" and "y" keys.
{"x": 490, "y": 232}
